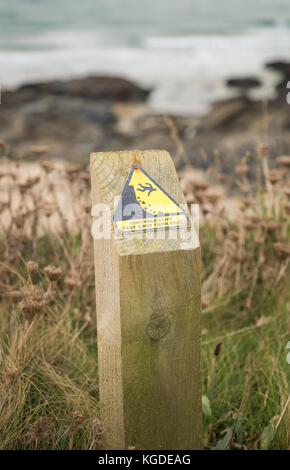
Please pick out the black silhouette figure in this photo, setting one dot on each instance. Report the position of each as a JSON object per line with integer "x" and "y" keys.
{"x": 148, "y": 187}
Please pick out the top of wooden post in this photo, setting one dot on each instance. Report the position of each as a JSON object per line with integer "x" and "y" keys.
{"x": 110, "y": 171}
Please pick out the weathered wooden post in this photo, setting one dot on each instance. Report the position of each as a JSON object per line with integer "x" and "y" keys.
{"x": 148, "y": 308}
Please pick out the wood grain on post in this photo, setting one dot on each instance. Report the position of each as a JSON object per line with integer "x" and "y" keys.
{"x": 148, "y": 320}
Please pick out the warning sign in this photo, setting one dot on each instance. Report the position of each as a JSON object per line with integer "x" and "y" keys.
{"x": 144, "y": 205}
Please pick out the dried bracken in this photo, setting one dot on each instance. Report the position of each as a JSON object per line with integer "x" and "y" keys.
{"x": 29, "y": 183}
{"x": 19, "y": 220}
{"x": 200, "y": 185}
{"x": 233, "y": 235}
{"x": 244, "y": 187}
{"x": 245, "y": 204}
{"x": 39, "y": 430}
{"x": 85, "y": 176}
{"x": 71, "y": 282}
{"x": 48, "y": 209}
{"x": 206, "y": 209}
{"x": 272, "y": 226}
{"x": 10, "y": 376}
{"x": 47, "y": 165}
{"x": 211, "y": 196}
{"x": 263, "y": 150}
{"x": 284, "y": 161}
{"x": 282, "y": 249}
{"x": 32, "y": 267}
{"x": 33, "y": 302}
{"x": 73, "y": 172}
{"x": 97, "y": 431}
{"x": 190, "y": 199}
{"x": 3, "y": 147}
{"x": 275, "y": 175}
{"x": 77, "y": 422}
{"x": 87, "y": 207}
{"x": 3, "y": 206}
{"x": 53, "y": 273}
{"x": 287, "y": 208}
{"x": 287, "y": 191}
{"x": 242, "y": 170}
{"x": 39, "y": 151}
{"x": 222, "y": 178}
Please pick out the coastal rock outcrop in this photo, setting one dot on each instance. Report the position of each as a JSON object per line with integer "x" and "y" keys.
{"x": 75, "y": 117}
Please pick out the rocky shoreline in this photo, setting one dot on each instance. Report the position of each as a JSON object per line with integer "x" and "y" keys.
{"x": 70, "y": 119}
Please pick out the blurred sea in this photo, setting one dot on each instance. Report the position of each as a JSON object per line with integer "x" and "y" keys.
{"x": 184, "y": 48}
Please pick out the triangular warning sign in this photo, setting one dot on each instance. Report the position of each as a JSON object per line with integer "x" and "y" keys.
{"x": 144, "y": 205}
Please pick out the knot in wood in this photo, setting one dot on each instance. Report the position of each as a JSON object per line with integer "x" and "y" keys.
{"x": 158, "y": 326}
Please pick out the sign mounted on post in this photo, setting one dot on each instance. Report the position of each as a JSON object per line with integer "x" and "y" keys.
{"x": 148, "y": 305}
{"x": 144, "y": 205}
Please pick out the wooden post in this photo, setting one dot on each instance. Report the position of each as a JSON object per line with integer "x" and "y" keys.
{"x": 148, "y": 317}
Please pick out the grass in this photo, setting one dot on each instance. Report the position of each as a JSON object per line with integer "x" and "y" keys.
{"x": 252, "y": 377}
{"x": 48, "y": 369}
{"x": 48, "y": 344}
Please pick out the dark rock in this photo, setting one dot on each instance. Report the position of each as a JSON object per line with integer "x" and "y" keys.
{"x": 79, "y": 116}
{"x": 60, "y": 108}
{"x": 243, "y": 83}
{"x": 224, "y": 113}
{"x": 283, "y": 91}
{"x": 283, "y": 87}
{"x": 280, "y": 66}
{"x": 95, "y": 88}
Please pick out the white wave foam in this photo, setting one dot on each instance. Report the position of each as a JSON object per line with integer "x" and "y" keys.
{"x": 187, "y": 72}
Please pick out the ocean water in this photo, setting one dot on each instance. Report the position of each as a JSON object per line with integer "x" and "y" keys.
{"x": 185, "y": 49}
